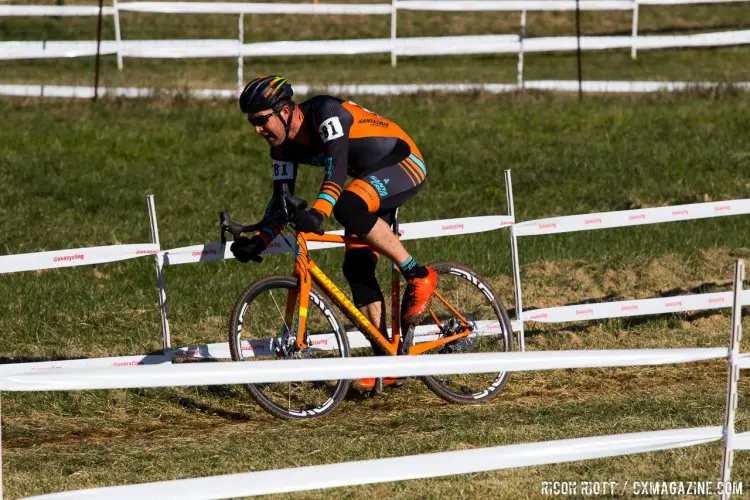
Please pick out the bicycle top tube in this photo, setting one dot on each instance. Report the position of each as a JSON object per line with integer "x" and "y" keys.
{"x": 331, "y": 238}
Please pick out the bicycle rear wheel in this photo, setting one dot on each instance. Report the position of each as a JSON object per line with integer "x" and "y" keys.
{"x": 258, "y": 332}
{"x": 470, "y": 295}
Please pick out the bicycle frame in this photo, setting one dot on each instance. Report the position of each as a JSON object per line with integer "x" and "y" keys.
{"x": 306, "y": 271}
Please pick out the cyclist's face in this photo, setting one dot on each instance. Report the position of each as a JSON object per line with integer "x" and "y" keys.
{"x": 268, "y": 125}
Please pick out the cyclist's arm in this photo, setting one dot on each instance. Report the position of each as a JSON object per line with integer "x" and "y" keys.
{"x": 284, "y": 172}
{"x": 333, "y": 123}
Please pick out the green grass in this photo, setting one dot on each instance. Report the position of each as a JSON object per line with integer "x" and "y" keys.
{"x": 74, "y": 174}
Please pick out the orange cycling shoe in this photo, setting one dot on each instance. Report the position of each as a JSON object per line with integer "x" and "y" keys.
{"x": 368, "y": 384}
{"x": 417, "y": 297}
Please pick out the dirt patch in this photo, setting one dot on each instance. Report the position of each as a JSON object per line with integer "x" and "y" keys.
{"x": 562, "y": 282}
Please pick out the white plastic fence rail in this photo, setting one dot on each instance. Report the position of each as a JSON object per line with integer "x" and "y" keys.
{"x": 333, "y": 8}
{"x": 200, "y": 374}
{"x": 394, "y": 45}
{"x": 338, "y": 9}
{"x": 381, "y": 470}
{"x": 403, "y": 468}
{"x": 372, "y": 89}
{"x": 415, "y": 46}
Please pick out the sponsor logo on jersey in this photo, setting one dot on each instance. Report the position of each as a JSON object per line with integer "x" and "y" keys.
{"x": 379, "y": 186}
{"x": 373, "y": 122}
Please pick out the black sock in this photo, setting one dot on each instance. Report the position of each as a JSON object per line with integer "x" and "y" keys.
{"x": 410, "y": 269}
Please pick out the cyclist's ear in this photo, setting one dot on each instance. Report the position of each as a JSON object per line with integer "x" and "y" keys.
{"x": 285, "y": 112}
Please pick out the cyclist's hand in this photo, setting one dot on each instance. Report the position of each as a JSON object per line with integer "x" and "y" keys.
{"x": 246, "y": 249}
{"x": 308, "y": 221}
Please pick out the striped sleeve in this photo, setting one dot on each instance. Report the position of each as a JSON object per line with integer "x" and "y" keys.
{"x": 334, "y": 123}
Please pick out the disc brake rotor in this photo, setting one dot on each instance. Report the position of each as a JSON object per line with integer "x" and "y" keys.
{"x": 453, "y": 326}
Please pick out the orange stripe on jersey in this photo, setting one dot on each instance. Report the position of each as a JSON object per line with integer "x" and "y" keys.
{"x": 414, "y": 168}
{"x": 323, "y": 206}
{"x": 366, "y": 192}
{"x": 408, "y": 173}
{"x": 332, "y": 185}
{"x": 331, "y": 189}
{"x": 414, "y": 171}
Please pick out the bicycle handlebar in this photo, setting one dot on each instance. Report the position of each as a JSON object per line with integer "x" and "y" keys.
{"x": 290, "y": 205}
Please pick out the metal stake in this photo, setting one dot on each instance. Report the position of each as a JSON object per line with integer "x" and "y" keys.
{"x": 514, "y": 261}
{"x": 159, "y": 262}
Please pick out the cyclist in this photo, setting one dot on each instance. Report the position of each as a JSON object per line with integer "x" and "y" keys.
{"x": 388, "y": 169}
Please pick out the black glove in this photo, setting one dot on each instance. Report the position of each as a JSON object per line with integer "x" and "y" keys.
{"x": 246, "y": 249}
{"x": 308, "y": 221}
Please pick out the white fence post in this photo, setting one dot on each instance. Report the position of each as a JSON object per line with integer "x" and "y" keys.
{"x": 514, "y": 260}
{"x": 393, "y": 33}
{"x": 521, "y": 36}
{"x": 240, "y": 59}
{"x": 634, "y": 34}
{"x": 118, "y": 37}
{"x": 732, "y": 378}
{"x": 159, "y": 262}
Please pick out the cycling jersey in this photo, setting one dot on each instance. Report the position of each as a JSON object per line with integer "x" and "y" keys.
{"x": 344, "y": 138}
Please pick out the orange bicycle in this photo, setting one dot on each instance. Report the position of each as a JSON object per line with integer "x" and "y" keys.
{"x": 283, "y": 317}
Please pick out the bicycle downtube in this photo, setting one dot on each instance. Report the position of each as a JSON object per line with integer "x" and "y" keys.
{"x": 349, "y": 309}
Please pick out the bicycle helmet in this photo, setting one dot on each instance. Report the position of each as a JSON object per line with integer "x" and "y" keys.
{"x": 266, "y": 92}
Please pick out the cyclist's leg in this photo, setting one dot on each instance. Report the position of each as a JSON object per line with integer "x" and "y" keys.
{"x": 359, "y": 266}
{"x": 360, "y": 210}
{"x": 369, "y": 198}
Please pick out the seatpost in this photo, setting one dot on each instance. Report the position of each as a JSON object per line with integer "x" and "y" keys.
{"x": 395, "y": 288}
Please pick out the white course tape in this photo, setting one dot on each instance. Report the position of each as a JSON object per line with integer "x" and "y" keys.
{"x": 403, "y": 468}
{"x": 641, "y": 307}
{"x": 744, "y": 360}
{"x": 417, "y": 46}
{"x": 256, "y": 8}
{"x": 320, "y": 341}
{"x": 56, "y": 366}
{"x": 200, "y": 374}
{"x": 409, "y": 231}
{"x": 638, "y": 217}
{"x": 74, "y": 257}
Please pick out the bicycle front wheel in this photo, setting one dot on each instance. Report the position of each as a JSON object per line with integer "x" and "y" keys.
{"x": 464, "y": 291}
{"x": 258, "y": 332}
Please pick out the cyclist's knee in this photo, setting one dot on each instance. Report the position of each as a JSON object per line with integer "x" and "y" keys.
{"x": 359, "y": 270}
{"x": 352, "y": 212}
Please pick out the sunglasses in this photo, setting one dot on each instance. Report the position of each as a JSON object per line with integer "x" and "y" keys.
{"x": 261, "y": 120}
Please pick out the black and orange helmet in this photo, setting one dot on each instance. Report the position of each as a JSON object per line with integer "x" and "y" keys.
{"x": 266, "y": 92}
